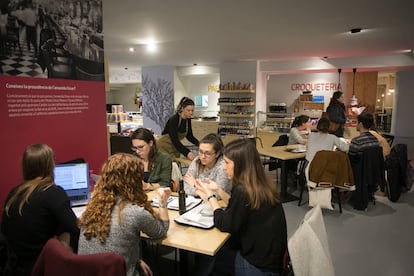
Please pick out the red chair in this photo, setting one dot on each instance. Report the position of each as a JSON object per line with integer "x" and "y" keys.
{"x": 55, "y": 259}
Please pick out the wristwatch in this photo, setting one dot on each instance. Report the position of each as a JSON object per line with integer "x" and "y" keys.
{"x": 211, "y": 196}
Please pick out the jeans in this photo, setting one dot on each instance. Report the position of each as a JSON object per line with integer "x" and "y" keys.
{"x": 243, "y": 268}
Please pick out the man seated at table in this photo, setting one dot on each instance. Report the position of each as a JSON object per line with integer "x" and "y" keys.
{"x": 364, "y": 140}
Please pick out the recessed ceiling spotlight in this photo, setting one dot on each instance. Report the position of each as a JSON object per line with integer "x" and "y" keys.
{"x": 355, "y": 30}
{"x": 131, "y": 49}
{"x": 126, "y": 68}
{"x": 194, "y": 64}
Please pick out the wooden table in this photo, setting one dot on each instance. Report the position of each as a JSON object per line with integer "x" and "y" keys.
{"x": 204, "y": 241}
{"x": 280, "y": 153}
{"x": 185, "y": 238}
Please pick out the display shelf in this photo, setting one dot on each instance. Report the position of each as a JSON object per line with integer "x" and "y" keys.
{"x": 237, "y": 104}
{"x": 237, "y": 91}
{"x": 237, "y": 110}
{"x": 225, "y": 115}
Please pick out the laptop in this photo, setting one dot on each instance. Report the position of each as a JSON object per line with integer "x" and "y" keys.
{"x": 74, "y": 179}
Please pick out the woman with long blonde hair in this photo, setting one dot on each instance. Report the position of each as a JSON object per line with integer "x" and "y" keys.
{"x": 254, "y": 215}
{"x": 37, "y": 209}
{"x": 119, "y": 210}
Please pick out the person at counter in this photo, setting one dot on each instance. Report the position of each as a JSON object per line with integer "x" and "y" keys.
{"x": 157, "y": 165}
{"x": 300, "y": 130}
{"x": 37, "y": 210}
{"x": 119, "y": 210}
{"x": 253, "y": 209}
{"x": 336, "y": 113}
{"x": 176, "y": 129}
{"x": 207, "y": 166}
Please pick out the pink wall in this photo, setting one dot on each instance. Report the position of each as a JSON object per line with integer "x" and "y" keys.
{"x": 68, "y": 115}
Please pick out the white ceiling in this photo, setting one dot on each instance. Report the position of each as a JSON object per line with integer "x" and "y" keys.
{"x": 208, "y": 32}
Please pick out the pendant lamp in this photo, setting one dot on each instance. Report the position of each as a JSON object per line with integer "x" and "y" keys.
{"x": 353, "y": 101}
{"x": 339, "y": 79}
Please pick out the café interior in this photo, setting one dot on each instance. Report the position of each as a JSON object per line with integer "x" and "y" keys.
{"x": 271, "y": 45}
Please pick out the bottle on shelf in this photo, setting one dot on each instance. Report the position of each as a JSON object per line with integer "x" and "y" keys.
{"x": 181, "y": 198}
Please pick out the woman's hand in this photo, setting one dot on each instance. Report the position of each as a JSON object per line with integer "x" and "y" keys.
{"x": 163, "y": 195}
{"x": 189, "y": 179}
{"x": 203, "y": 188}
{"x": 191, "y": 156}
{"x": 211, "y": 185}
{"x": 145, "y": 268}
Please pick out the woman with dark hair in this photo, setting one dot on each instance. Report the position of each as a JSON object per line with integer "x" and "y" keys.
{"x": 37, "y": 210}
{"x": 300, "y": 130}
{"x": 207, "y": 166}
{"x": 336, "y": 113}
{"x": 119, "y": 211}
{"x": 157, "y": 165}
{"x": 177, "y": 128}
{"x": 254, "y": 215}
{"x": 322, "y": 140}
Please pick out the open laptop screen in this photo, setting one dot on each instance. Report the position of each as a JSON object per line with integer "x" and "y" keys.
{"x": 74, "y": 179}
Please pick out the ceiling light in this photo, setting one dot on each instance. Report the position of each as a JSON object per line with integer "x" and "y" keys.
{"x": 151, "y": 46}
{"x": 131, "y": 49}
{"x": 355, "y": 30}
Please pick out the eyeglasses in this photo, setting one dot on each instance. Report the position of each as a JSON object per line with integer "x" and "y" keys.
{"x": 137, "y": 148}
{"x": 206, "y": 153}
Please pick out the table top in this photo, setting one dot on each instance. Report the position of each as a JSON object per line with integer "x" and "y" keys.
{"x": 204, "y": 241}
{"x": 183, "y": 160}
{"x": 281, "y": 152}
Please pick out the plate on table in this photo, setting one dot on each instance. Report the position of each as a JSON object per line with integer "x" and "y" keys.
{"x": 296, "y": 150}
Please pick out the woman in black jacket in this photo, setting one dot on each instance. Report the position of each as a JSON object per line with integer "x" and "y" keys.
{"x": 336, "y": 112}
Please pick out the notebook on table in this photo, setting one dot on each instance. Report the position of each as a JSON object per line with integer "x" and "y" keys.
{"x": 74, "y": 179}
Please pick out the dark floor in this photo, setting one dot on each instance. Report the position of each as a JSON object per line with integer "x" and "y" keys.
{"x": 377, "y": 242}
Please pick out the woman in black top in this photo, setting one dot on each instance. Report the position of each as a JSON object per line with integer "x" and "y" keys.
{"x": 254, "y": 215}
{"x": 37, "y": 210}
{"x": 177, "y": 128}
{"x": 336, "y": 112}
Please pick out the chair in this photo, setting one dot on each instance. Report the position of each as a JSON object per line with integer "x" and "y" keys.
{"x": 300, "y": 178}
{"x": 55, "y": 70}
{"x": 308, "y": 246}
{"x": 83, "y": 75}
{"x": 369, "y": 171}
{"x": 330, "y": 169}
{"x": 55, "y": 259}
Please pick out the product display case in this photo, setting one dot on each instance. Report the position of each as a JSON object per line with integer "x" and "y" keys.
{"x": 237, "y": 109}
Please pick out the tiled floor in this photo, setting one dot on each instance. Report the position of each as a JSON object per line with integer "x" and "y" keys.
{"x": 25, "y": 65}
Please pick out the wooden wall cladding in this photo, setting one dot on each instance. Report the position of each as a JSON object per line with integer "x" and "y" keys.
{"x": 365, "y": 87}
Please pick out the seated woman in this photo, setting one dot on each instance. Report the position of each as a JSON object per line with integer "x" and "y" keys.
{"x": 253, "y": 209}
{"x": 157, "y": 165}
{"x": 207, "y": 166}
{"x": 119, "y": 210}
{"x": 37, "y": 210}
{"x": 322, "y": 140}
{"x": 300, "y": 130}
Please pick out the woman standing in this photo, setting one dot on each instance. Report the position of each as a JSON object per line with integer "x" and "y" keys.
{"x": 300, "y": 130}
{"x": 157, "y": 165}
{"x": 177, "y": 128}
{"x": 207, "y": 166}
{"x": 37, "y": 210}
{"x": 119, "y": 211}
{"x": 254, "y": 215}
{"x": 336, "y": 113}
